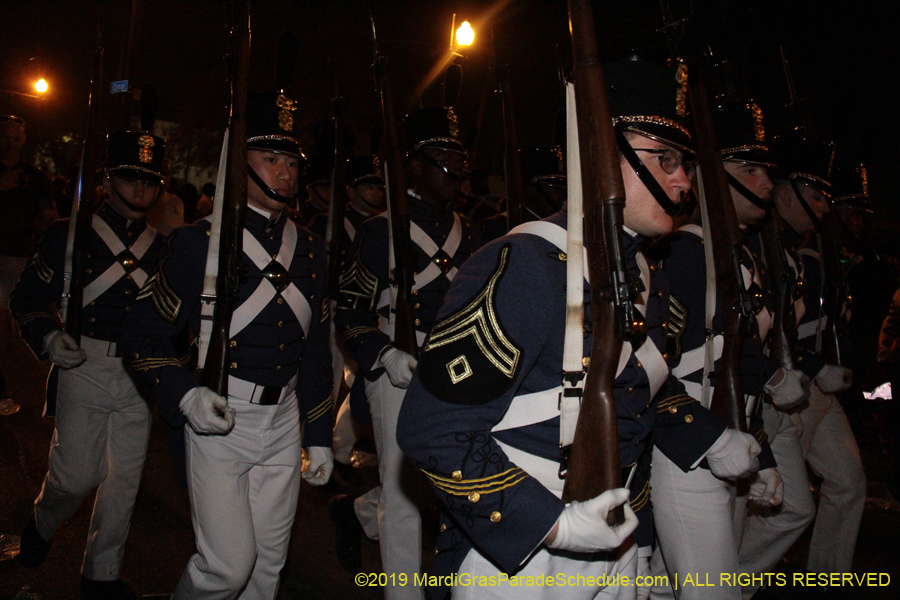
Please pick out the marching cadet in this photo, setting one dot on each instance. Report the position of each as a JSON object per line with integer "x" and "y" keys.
{"x": 700, "y": 499}
{"x": 365, "y": 195}
{"x": 482, "y": 418}
{"x": 102, "y": 422}
{"x": 243, "y": 452}
{"x": 545, "y": 189}
{"x": 801, "y": 198}
{"x": 441, "y": 243}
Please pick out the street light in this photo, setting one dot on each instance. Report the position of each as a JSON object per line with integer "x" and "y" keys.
{"x": 465, "y": 35}
{"x": 41, "y": 85}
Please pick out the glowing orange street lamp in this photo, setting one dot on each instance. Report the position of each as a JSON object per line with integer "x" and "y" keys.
{"x": 465, "y": 35}
{"x": 41, "y": 86}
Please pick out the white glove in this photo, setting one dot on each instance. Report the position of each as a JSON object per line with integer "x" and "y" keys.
{"x": 733, "y": 456}
{"x": 207, "y": 412}
{"x": 63, "y": 350}
{"x": 321, "y": 464}
{"x": 399, "y": 366}
{"x": 833, "y": 378}
{"x": 767, "y": 488}
{"x": 790, "y": 388}
{"x": 582, "y": 525}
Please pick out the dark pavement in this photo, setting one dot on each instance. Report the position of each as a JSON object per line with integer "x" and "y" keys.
{"x": 161, "y": 539}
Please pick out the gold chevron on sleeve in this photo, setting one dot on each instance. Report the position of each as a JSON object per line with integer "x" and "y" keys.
{"x": 145, "y": 364}
{"x": 357, "y": 331}
{"x": 41, "y": 269}
{"x": 320, "y": 410}
{"x": 673, "y": 402}
{"x": 641, "y": 500}
{"x": 26, "y": 318}
{"x": 165, "y": 300}
{"x": 677, "y": 321}
{"x": 326, "y": 312}
{"x": 479, "y": 320}
{"x": 485, "y": 485}
{"x": 358, "y": 284}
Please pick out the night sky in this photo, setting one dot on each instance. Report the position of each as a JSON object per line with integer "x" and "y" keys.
{"x": 844, "y": 59}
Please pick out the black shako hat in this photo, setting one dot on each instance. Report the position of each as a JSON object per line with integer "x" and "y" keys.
{"x": 542, "y": 164}
{"x": 741, "y": 133}
{"x": 319, "y": 171}
{"x": 433, "y": 128}
{"x": 136, "y": 155}
{"x": 851, "y": 186}
{"x": 270, "y": 123}
{"x": 649, "y": 99}
{"x": 802, "y": 157}
{"x": 364, "y": 169}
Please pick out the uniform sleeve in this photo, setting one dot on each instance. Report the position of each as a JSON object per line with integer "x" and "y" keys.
{"x": 162, "y": 310}
{"x": 314, "y": 379}
{"x": 39, "y": 289}
{"x": 362, "y": 286}
{"x": 484, "y": 343}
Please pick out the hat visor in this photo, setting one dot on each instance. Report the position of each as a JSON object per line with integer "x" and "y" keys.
{"x": 280, "y": 146}
{"x": 443, "y": 146}
{"x": 377, "y": 180}
{"x": 139, "y": 173}
{"x": 751, "y": 157}
{"x": 663, "y": 134}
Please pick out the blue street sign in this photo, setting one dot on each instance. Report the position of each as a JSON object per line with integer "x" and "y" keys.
{"x": 118, "y": 87}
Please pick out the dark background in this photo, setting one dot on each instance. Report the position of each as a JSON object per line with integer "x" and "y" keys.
{"x": 843, "y": 57}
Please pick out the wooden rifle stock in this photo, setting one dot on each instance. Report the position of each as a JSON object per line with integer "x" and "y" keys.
{"x": 593, "y": 465}
{"x": 338, "y": 199}
{"x": 783, "y": 333}
{"x": 398, "y": 202}
{"x": 728, "y": 397}
{"x": 215, "y": 371}
{"x": 511, "y": 162}
{"x": 78, "y": 244}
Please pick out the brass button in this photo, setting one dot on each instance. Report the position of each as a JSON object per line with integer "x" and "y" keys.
{"x": 562, "y": 256}
{"x": 688, "y": 418}
{"x": 207, "y": 233}
{"x": 92, "y": 319}
{"x": 311, "y": 255}
{"x": 310, "y": 238}
{"x": 586, "y": 361}
{"x": 136, "y": 355}
{"x": 274, "y": 256}
{"x": 88, "y": 271}
{"x": 457, "y": 475}
{"x": 435, "y": 551}
{"x": 495, "y": 517}
{"x": 128, "y": 292}
{"x": 443, "y": 527}
{"x": 415, "y": 292}
{"x": 278, "y": 368}
{"x": 417, "y": 305}
{"x": 92, "y": 303}
{"x": 127, "y": 309}
{"x": 234, "y": 365}
{"x": 314, "y": 275}
{"x": 640, "y": 366}
{"x": 474, "y": 497}
{"x": 280, "y": 301}
{"x": 673, "y": 410}
{"x": 665, "y": 355}
{"x": 233, "y": 344}
{"x": 156, "y": 381}
{"x": 281, "y": 346}
{"x": 130, "y": 234}
{"x": 418, "y": 322}
{"x": 664, "y": 325}
{"x": 281, "y": 323}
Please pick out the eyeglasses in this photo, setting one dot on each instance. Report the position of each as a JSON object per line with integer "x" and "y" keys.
{"x": 670, "y": 160}
{"x": 14, "y": 119}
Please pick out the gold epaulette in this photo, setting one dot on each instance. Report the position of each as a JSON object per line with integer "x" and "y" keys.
{"x": 673, "y": 402}
{"x": 320, "y": 410}
{"x": 457, "y": 486}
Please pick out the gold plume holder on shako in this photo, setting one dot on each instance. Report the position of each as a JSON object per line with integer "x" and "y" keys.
{"x": 146, "y": 144}
{"x": 285, "y": 118}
